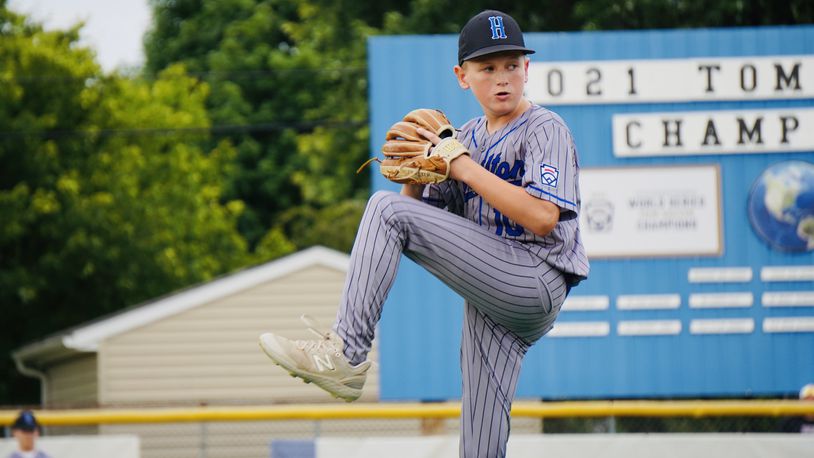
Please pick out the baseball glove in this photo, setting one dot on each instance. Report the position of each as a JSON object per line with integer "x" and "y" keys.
{"x": 411, "y": 158}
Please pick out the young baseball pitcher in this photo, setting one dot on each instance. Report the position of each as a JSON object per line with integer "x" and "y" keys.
{"x": 491, "y": 211}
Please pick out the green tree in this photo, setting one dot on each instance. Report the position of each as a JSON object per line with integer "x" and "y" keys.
{"x": 648, "y": 14}
{"x": 448, "y": 16}
{"x": 288, "y": 89}
{"x": 102, "y": 203}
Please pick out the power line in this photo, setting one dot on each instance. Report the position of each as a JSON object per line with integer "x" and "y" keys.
{"x": 208, "y": 74}
{"x": 299, "y": 126}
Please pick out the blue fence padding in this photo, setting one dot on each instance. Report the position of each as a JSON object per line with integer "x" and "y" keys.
{"x": 285, "y": 448}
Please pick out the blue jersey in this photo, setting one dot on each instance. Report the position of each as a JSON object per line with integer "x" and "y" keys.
{"x": 535, "y": 151}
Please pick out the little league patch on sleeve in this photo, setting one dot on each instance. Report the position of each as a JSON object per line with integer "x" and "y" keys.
{"x": 549, "y": 175}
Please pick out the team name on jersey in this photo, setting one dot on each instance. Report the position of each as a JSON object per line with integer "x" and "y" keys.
{"x": 512, "y": 173}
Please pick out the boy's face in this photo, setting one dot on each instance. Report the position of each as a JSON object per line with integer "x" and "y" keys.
{"x": 497, "y": 81}
{"x": 25, "y": 439}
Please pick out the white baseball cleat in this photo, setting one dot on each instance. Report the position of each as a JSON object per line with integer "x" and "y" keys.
{"x": 320, "y": 361}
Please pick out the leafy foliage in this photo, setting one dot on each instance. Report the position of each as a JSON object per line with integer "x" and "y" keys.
{"x": 99, "y": 208}
{"x": 447, "y": 16}
{"x": 291, "y": 76}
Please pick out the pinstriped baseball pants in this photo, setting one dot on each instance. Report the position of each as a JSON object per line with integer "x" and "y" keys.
{"x": 512, "y": 298}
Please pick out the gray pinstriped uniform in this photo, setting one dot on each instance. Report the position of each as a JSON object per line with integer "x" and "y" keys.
{"x": 514, "y": 282}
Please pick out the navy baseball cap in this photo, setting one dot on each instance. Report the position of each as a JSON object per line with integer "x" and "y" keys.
{"x": 26, "y": 422}
{"x": 489, "y": 32}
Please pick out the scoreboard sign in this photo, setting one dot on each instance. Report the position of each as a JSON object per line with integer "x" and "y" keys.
{"x": 697, "y": 186}
{"x": 671, "y": 80}
{"x": 718, "y": 132}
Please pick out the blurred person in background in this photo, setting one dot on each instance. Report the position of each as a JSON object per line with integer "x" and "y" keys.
{"x": 803, "y": 424}
{"x": 26, "y": 430}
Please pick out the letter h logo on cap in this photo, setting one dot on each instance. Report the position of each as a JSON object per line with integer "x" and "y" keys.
{"x": 498, "y": 31}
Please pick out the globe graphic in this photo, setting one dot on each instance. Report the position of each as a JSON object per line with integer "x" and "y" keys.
{"x": 781, "y": 206}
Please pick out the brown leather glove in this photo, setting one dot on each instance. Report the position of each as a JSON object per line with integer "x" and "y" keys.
{"x": 411, "y": 158}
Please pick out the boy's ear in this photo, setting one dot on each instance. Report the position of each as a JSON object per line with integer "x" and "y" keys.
{"x": 526, "y": 61}
{"x": 460, "y": 73}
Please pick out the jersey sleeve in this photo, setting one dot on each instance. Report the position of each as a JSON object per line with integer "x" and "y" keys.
{"x": 553, "y": 174}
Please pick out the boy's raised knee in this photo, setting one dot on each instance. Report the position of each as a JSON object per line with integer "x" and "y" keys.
{"x": 389, "y": 205}
{"x": 379, "y": 196}
{"x": 381, "y": 199}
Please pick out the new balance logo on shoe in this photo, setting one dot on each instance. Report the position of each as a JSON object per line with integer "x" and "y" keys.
{"x": 323, "y": 362}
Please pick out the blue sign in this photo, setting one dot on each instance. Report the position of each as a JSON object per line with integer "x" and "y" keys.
{"x": 734, "y": 321}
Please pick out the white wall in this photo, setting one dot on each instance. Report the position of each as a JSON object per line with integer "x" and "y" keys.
{"x": 209, "y": 353}
{"x": 81, "y": 446}
{"x": 584, "y": 446}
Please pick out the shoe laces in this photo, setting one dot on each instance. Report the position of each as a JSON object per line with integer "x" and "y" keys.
{"x": 328, "y": 341}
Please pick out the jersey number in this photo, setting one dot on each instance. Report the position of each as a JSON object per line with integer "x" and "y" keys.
{"x": 503, "y": 222}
